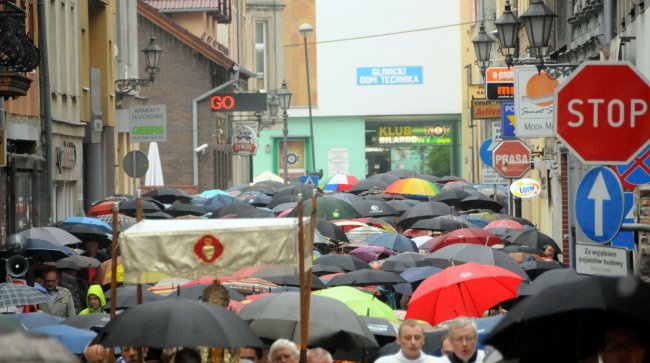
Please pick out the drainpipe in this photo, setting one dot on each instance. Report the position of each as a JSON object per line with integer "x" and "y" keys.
{"x": 46, "y": 106}
{"x": 195, "y": 120}
{"x": 608, "y": 21}
{"x": 568, "y": 34}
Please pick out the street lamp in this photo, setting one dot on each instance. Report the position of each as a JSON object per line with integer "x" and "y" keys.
{"x": 508, "y": 32}
{"x": 284, "y": 97}
{"x": 482, "y": 46}
{"x": 305, "y": 30}
{"x": 152, "y": 58}
{"x": 538, "y": 20}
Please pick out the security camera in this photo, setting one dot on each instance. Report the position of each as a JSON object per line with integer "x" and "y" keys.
{"x": 201, "y": 149}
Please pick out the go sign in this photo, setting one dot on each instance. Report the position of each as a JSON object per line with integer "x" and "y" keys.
{"x": 238, "y": 102}
{"x": 602, "y": 112}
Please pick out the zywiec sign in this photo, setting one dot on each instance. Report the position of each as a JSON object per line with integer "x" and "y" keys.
{"x": 499, "y": 83}
{"x": 486, "y": 109}
{"x": 603, "y": 113}
{"x": 243, "y": 141}
{"x": 511, "y": 159}
{"x": 232, "y": 102}
{"x": 148, "y": 123}
{"x": 436, "y": 134}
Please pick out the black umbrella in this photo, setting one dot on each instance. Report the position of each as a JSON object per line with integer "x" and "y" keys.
{"x": 88, "y": 321}
{"x": 518, "y": 248}
{"x": 576, "y": 315}
{"x": 403, "y": 173}
{"x": 294, "y": 280}
{"x": 368, "y": 184}
{"x": 403, "y": 261}
{"x": 328, "y": 208}
{"x": 256, "y": 213}
{"x": 365, "y": 277}
{"x": 371, "y": 195}
{"x": 384, "y": 177}
{"x": 450, "y": 178}
{"x": 320, "y": 270}
{"x": 157, "y": 215}
{"x": 374, "y": 208}
{"x": 127, "y": 297}
{"x": 331, "y": 231}
{"x": 550, "y": 278}
{"x": 401, "y": 206}
{"x": 78, "y": 261}
{"x": 235, "y": 208}
{"x": 427, "y": 177}
{"x": 464, "y": 252}
{"x": 177, "y": 322}
{"x": 179, "y": 208}
{"x": 479, "y": 201}
{"x": 255, "y": 198}
{"x": 346, "y": 262}
{"x": 536, "y": 268}
{"x": 451, "y": 196}
{"x": 281, "y": 199}
{"x": 522, "y": 221}
{"x": 128, "y": 207}
{"x": 332, "y": 325}
{"x": 531, "y": 238}
{"x": 168, "y": 195}
{"x": 272, "y": 184}
{"x": 446, "y": 223}
{"x": 87, "y": 232}
{"x": 424, "y": 211}
{"x": 306, "y": 190}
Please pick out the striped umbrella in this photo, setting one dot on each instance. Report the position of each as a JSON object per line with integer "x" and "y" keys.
{"x": 413, "y": 186}
{"x": 338, "y": 183}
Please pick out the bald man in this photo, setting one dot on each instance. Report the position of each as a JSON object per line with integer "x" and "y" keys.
{"x": 96, "y": 354}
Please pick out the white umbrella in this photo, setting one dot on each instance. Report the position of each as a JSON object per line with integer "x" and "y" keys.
{"x": 154, "y": 176}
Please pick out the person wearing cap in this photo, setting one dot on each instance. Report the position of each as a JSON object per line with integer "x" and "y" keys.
{"x": 95, "y": 300}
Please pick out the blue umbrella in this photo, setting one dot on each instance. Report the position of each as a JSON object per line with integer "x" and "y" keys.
{"x": 211, "y": 193}
{"x": 395, "y": 242}
{"x": 74, "y": 339}
{"x": 254, "y": 198}
{"x": 218, "y": 201}
{"x": 36, "y": 320}
{"x": 478, "y": 221}
{"x": 485, "y": 325}
{"x": 95, "y": 222}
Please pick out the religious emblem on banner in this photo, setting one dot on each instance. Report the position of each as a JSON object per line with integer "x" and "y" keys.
{"x": 208, "y": 248}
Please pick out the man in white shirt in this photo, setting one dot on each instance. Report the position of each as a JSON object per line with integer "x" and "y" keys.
{"x": 410, "y": 338}
{"x": 464, "y": 339}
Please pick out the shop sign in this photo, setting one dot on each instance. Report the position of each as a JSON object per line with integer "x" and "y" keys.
{"x": 525, "y": 188}
{"x": 386, "y": 76}
{"x": 148, "y": 123}
{"x": 243, "y": 141}
{"x": 486, "y": 109}
{"x": 66, "y": 155}
{"x": 436, "y": 134}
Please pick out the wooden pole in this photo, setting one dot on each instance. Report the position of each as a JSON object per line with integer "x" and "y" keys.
{"x": 310, "y": 249}
{"x": 116, "y": 230}
{"x": 304, "y": 306}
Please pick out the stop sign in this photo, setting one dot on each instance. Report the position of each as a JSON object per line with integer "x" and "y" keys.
{"x": 511, "y": 158}
{"x": 602, "y": 112}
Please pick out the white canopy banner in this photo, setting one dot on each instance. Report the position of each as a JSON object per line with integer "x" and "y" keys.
{"x": 193, "y": 247}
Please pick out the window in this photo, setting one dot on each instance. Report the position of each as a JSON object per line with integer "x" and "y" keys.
{"x": 261, "y": 32}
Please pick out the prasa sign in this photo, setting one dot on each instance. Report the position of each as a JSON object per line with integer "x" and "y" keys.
{"x": 602, "y": 112}
{"x": 511, "y": 158}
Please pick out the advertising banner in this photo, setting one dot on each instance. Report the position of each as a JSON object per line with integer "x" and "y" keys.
{"x": 148, "y": 123}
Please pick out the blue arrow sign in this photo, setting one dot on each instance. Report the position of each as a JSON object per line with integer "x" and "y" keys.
{"x": 599, "y": 205}
{"x": 626, "y": 238}
{"x": 309, "y": 179}
{"x": 485, "y": 152}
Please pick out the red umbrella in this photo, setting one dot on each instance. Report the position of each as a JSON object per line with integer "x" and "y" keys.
{"x": 465, "y": 290}
{"x": 474, "y": 236}
{"x": 101, "y": 208}
{"x": 504, "y": 223}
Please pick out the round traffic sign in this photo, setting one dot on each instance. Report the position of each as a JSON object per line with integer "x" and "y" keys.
{"x": 635, "y": 173}
{"x": 602, "y": 112}
{"x": 135, "y": 164}
{"x": 511, "y": 158}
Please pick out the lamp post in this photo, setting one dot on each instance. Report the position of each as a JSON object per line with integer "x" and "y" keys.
{"x": 482, "y": 46}
{"x": 305, "y": 30}
{"x": 284, "y": 96}
{"x": 152, "y": 57}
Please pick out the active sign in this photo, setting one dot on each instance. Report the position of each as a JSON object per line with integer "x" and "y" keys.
{"x": 603, "y": 112}
{"x": 599, "y": 205}
{"x": 231, "y": 102}
{"x": 511, "y": 158}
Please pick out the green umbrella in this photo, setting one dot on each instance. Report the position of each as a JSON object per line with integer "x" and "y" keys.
{"x": 328, "y": 209}
{"x": 362, "y": 303}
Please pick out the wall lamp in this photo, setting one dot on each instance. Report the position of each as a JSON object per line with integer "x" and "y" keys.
{"x": 152, "y": 58}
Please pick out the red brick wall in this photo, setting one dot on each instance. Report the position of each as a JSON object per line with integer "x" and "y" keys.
{"x": 565, "y": 207}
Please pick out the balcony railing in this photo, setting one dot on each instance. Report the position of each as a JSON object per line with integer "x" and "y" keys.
{"x": 17, "y": 51}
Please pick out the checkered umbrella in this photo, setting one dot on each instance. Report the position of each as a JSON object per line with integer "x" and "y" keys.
{"x": 17, "y": 294}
